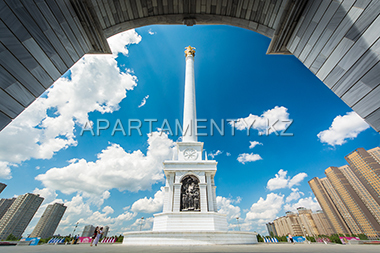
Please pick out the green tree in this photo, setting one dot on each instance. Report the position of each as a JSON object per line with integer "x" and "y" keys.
{"x": 259, "y": 238}
{"x": 120, "y": 238}
{"x": 11, "y": 238}
{"x": 335, "y": 238}
{"x": 362, "y": 237}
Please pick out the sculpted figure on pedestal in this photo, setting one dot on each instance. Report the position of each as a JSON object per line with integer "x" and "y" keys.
{"x": 190, "y": 194}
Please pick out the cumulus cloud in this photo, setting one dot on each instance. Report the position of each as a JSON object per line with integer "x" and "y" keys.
{"x": 114, "y": 168}
{"x": 80, "y": 209}
{"x": 218, "y": 152}
{"x": 5, "y": 171}
{"x": 143, "y": 102}
{"x": 149, "y": 205}
{"x": 225, "y": 206}
{"x": 281, "y": 180}
{"x": 144, "y": 224}
{"x": 47, "y": 126}
{"x": 265, "y": 210}
{"x": 271, "y": 121}
{"x": 309, "y": 203}
{"x": 244, "y": 158}
{"x": 151, "y": 32}
{"x": 119, "y": 42}
{"x": 254, "y": 144}
{"x": 294, "y": 195}
{"x": 343, "y": 128}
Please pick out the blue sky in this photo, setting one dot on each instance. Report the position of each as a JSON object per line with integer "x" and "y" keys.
{"x": 115, "y": 180}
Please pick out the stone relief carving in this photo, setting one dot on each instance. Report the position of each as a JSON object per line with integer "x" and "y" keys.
{"x": 190, "y": 194}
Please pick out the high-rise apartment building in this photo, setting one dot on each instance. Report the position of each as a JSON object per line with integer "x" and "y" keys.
{"x": 18, "y": 216}
{"x": 88, "y": 231}
{"x": 271, "y": 229}
{"x": 323, "y": 224}
{"x": 5, "y": 204}
{"x": 345, "y": 214}
{"x": 328, "y": 206}
{"x": 367, "y": 169}
{"x": 362, "y": 191}
{"x": 375, "y": 153}
{"x": 307, "y": 222}
{"x": 2, "y": 187}
{"x": 105, "y": 231}
{"x": 363, "y": 218}
{"x": 303, "y": 223}
{"x": 49, "y": 221}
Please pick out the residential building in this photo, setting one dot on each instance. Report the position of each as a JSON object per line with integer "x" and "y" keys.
{"x": 363, "y": 218}
{"x": 328, "y": 206}
{"x": 271, "y": 229}
{"x": 2, "y": 187}
{"x": 4, "y": 206}
{"x": 323, "y": 224}
{"x": 306, "y": 222}
{"x": 343, "y": 210}
{"x": 88, "y": 231}
{"x": 367, "y": 169}
{"x": 19, "y": 214}
{"x": 49, "y": 221}
{"x": 375, "y": 153}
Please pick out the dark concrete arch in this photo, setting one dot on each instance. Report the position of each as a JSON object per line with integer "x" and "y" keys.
{"x": 337, "y": 40}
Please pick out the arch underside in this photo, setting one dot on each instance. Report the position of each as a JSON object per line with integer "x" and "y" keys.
{"x": 337, "y": 41}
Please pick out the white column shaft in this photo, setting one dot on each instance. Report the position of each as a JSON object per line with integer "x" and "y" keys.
{"x": 189, "y": 110}
{"x": 210, "y": 194}
{"x": 177, "y": 197}
{"x": 203, "y": 197}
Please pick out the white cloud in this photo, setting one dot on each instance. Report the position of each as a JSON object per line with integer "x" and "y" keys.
{"x": 294, "y": 195}
{"x": 228, "y": 154}
{"x": 151, "y": 32}
{"x": 343, "y": 128}
{"x": 149, "y": 205}
{"x": 278, "y": 117}
{"x": 143, "y": 102}
{"x": 79, "y": 209}
{"x": 254, "y": 144}
{"x": 145, "y": 224}
{"x": 218, "y": 152}
{"x": 114, "y": 168}
{"x": 309, "y": 203}
{"x": 47, "y": 125}
{"x": 225, "y": 206}
{"x": 265, "y": 210}
{"x": 244, "y": 158}
{"x": 5, "y": 171}
{"x": 282, "y": 181}
{"x": 119, "y": 42}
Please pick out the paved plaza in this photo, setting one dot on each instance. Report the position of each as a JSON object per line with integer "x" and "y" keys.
{"x": 283, "y": 248}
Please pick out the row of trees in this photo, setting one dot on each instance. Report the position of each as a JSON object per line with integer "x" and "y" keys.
{"x": 333, "y": 238}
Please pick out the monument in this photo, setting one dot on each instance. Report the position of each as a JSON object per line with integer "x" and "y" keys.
{"x": 190, "y": 214}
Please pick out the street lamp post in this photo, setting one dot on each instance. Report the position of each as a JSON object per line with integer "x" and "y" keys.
{"x": 75, "y": 228}
{"x": 141, "y": 222}
{"x": 237, "y": 219}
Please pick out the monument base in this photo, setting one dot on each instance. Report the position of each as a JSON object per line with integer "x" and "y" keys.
{"x": 190, "y": 221}
{"x": 188, "y": 238}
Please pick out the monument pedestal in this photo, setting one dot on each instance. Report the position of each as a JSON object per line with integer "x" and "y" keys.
{"x": 190, "y": 221}
{"x": 189, "y": 238}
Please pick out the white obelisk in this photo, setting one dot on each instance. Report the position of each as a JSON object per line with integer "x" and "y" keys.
{"x": 190, "y": 214}
{"x": 189, "y": 110}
